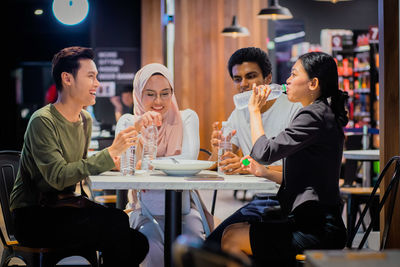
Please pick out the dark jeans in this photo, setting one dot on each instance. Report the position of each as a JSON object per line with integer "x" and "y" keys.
{"x": 103, "y": 229}
{"x": 253, "y": 211}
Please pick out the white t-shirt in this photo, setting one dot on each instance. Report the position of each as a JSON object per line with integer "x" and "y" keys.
{"x": 274, "y": 120}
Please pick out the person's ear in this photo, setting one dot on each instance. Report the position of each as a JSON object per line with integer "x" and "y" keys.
{"x": 314, "y": 84}
{"x": 268, "y": 79}
{"x": 66, "y": 78}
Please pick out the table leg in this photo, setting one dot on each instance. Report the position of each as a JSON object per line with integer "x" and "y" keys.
{"x": 122, "y": 199}
{"x": 366, "y": 174}
{"x": 173, "y": 223}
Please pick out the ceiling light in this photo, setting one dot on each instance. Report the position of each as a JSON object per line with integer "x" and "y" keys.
{"x": 70, "y": 12}
{"x": 235, "y": 30}
{"x": 38, "y": 12}
{"x": 274, "y": 11}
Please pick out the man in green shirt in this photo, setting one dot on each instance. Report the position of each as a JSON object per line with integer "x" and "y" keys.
{"x": 52, "y": 163}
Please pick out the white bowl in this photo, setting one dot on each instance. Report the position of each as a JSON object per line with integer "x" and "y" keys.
{"x": 183, "y": 168}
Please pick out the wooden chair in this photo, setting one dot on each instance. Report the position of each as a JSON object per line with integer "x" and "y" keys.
{"x": 46, "y": 257}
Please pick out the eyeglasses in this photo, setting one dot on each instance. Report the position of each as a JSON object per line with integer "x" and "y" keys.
{"x": 151, "y": 95}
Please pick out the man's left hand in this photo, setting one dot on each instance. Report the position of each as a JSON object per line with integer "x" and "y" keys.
{"x": 231, "y": 163}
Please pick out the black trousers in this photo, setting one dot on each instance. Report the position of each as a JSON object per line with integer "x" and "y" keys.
{"x": 104, "y": 229}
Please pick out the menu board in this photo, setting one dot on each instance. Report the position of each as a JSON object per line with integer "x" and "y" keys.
{"x": 116, "y": 67}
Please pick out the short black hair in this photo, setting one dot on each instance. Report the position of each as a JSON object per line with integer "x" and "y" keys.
{"x": 67, "y": 60}
{"x": 250, "y": 54}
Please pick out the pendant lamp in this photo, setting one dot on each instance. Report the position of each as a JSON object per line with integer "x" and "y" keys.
{"x": 274, "y": 11}
{"x": 235, "y": 30}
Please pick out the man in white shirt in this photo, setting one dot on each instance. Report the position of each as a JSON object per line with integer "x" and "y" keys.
{"x": 248, "y": 66}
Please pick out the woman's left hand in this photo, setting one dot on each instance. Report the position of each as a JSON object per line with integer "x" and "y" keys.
{"x": 254, "y": 167}
{"x": 258, "y": 97}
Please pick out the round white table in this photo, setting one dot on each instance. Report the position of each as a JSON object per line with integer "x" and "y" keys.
{"x": 174, "y": 185}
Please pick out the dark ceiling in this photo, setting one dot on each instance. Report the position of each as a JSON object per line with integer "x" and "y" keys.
{"x": 37, "y": 38}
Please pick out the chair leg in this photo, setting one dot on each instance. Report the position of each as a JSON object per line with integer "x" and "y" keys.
{"x": 244, "y": 195}
{"x": 362, "y": 223}
{"x": 352, "y": 205}
{"x": 234, "y": 194}
{"x": 213, "y": 202}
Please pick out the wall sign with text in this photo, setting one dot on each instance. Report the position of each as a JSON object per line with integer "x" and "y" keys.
{"x": 116, "y": 66}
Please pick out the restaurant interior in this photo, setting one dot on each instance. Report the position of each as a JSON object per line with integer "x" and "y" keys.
{"x": 194, "y": 39}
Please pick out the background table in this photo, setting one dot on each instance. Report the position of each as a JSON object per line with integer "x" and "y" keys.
{"x": 205, "y": 180}
{"x": 366, "y": 156}
{"x": 363, "y": 155}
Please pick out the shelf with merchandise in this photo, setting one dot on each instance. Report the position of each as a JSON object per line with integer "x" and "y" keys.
{"x": 356, "y": 66}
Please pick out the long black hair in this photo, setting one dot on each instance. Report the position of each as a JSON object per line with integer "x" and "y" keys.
{"x": 323, "y": 67}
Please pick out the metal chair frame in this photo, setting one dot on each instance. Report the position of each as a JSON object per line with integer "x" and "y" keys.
{"x": 391, "y": 190}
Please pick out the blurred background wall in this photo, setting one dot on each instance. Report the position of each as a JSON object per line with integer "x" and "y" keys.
{"x": 200, "y": 52}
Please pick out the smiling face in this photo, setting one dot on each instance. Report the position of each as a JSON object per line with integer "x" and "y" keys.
{"x": 82, "y": 88}
{"x": 156, "y": 95}
{"x": 247, "y": 73}
{"x": 300, "y": 88}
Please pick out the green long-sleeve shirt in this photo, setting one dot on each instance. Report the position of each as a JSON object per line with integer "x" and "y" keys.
{"x": 52, "y": 157}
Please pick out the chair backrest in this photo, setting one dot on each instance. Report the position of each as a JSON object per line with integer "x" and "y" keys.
{"x": 390, "y": 192}
{"x": 9, "y": 165}
{"x": 204, "y": 154}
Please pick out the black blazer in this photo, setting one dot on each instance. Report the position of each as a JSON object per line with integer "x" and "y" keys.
{"x": 312, "y": 148}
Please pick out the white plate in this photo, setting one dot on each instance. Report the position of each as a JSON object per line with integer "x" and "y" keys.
{"x": 184, "y": 167}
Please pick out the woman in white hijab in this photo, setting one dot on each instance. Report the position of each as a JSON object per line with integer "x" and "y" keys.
{"x": 178, "y": 137}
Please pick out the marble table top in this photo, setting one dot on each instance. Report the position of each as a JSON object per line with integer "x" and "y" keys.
{"x": 205, "y": 180}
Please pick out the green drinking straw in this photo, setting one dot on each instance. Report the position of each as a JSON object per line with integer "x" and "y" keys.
{"x": 246, "y": 162}
{"x": 284, "y": 88}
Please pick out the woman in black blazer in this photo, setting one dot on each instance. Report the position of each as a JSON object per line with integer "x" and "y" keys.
{"x": 309, "y": 216}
